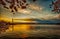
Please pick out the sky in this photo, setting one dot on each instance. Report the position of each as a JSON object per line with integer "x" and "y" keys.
{"x": 37, "y": 10}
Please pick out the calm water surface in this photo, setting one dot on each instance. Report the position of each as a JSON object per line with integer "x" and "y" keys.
{"x": 26, "y": 30}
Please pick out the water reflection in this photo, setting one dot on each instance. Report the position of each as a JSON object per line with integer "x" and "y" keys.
{"x": 3, "y": 26}
{"x": 26, "y": 30}
{"x": 22, "y": 28}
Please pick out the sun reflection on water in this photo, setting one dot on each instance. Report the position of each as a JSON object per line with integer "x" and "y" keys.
{"x": 22, "y": 27}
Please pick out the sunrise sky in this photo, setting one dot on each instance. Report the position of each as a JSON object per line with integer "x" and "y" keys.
{"x": 37, "y": 10}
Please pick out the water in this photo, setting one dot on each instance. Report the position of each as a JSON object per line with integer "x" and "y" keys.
{"x": 27, "y": 30}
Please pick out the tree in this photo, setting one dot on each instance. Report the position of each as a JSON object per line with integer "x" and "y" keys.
{"x": 56, "y": 6}
{"x": 14, "y": 4}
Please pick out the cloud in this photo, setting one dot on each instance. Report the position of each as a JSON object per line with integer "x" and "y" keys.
{"x": 57, "y": 16}
{"x": 50, "y": 17}
{"x": 30, "y": 9}
{"x": 24, "y": 11}
{"x": 35, "y": 7}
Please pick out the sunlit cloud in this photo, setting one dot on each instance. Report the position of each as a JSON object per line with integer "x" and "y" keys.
{"x": 24, "y": 11}
{"x": 57, "y": 16}
{"x": 5, "y": 19}
{"x": 50, "y": 17}
{"x": 35, "y": 7}
{"x": 30, "y": 9}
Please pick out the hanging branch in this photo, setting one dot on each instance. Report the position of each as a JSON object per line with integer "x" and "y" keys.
{"x": 14, "y": 4}
{"x": 56, "y": 6}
